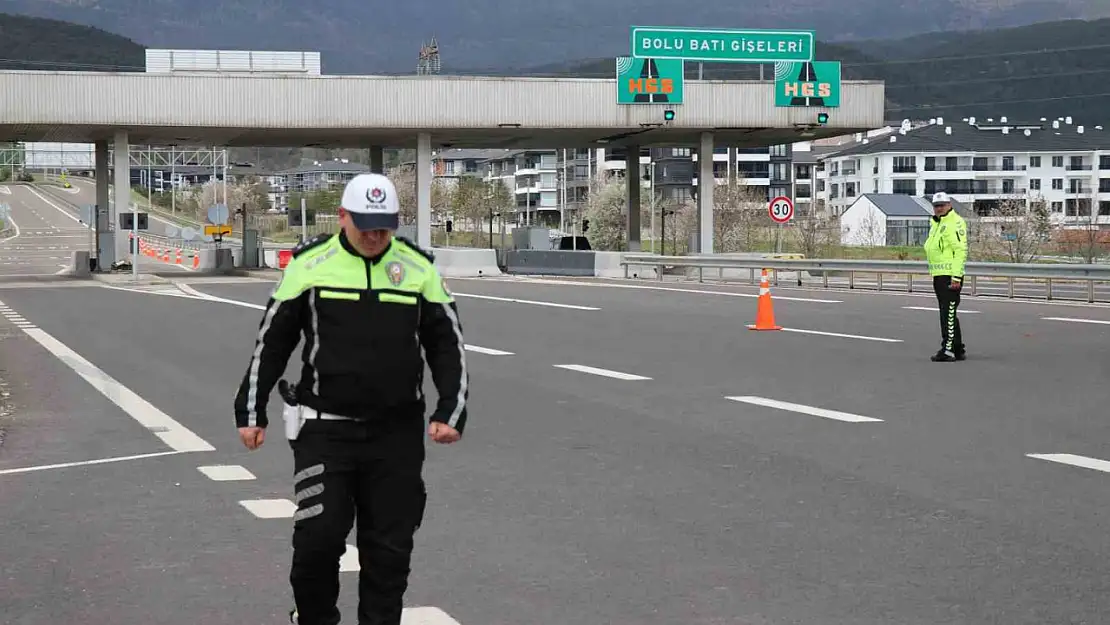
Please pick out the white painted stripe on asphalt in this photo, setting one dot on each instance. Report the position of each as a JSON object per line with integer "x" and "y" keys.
{"x": 810, "y": 410}
{"x": 935, "y": 309}
{"x": 838, "y": 334}
{"x": 226, "y": 472}
{"x": 643, "y": 287}
{"x": 1074, "y": 460}
{"x": 50, "y": 203}
{"x": 487, "y": 350}
{"x": 270, "y": 508}
{"x": 212, "y": 298}
{"x": 348, "y": 562}
{"x": 1077, "y": 320}
{"x": 426, "y": 616}
{"x": 603, "y": 372}
{"x": 525, "y": 301}
{"x": 172, "y": 433}
{"x": 88, "y": 462}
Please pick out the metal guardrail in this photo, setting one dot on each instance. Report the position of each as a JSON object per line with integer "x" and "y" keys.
{"x": 852, "y": 269}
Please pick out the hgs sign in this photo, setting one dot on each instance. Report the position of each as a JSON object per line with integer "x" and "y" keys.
{"x": 816, "y": 83}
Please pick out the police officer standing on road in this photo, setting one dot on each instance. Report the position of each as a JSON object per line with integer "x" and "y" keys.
{"x": 946, "y": 251}
{"x": 366, "y": 302}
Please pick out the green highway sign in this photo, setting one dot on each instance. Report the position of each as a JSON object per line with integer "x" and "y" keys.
{"x": 807, "y": 84}
{"x": 725, "y": 46}
{"x": 649, "y": 81}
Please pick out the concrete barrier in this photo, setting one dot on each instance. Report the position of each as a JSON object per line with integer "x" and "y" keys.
{"x": 81, "y": 266}
{"x": 466, "y": 263}
{"x": 550, "y": 262}
{"x": 608, "y": 265}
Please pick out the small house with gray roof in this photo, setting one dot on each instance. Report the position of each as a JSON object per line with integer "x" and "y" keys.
{"x": 881, "y": 219}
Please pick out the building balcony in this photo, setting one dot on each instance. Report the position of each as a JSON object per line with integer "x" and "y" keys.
{"x": 900, "y": 170}
{"x": 1080, "y": 167}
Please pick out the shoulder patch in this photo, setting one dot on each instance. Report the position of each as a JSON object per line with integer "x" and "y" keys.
{"x": 308, "y": 244}
{"x": 416, "y": 248}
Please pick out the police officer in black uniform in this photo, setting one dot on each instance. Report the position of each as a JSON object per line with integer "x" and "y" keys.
{"x": 367, "y": 303}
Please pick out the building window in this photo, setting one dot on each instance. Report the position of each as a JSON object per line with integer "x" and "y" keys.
{"x": 1104, "y": 185}
{"x": 1007, "y": 163}
{"x": 1103, "y": 208}
{"x": 778, "y": 150}
{"x": 803, "y": 172}
{"x": 1057, "y": 161}
{"x": 1057, "y": 207}
{"x": 905, "y": 164}
{"x": 930, "y": 163}
{"x": 905, "y": 187}
{"x": 779, "y": 171}
{"x": 1034, "y": 161}
{"x": 1104, "y": 162}
{"x": 1035, "y": 184}
{"x": 1058, "y": 183}
{"x": 849, "y": 189}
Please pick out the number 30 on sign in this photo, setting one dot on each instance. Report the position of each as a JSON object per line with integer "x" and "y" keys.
{"x": 781, "y": 209}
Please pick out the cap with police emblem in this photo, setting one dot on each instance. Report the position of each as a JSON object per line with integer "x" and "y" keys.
{"x": 940, "y": 198}
{"x": 371, "y": 200}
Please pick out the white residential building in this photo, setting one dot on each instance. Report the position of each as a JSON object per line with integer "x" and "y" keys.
{"x": 980, "y": 163}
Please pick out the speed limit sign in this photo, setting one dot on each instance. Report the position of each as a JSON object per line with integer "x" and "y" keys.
{"x": 781, "y": 209}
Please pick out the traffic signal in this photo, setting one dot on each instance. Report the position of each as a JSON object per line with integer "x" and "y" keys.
{"x": 585, "y": 225}
{"x": 450, "y": 226}
{"x": 822, "y": 118}
{"x": 668, "y": 115}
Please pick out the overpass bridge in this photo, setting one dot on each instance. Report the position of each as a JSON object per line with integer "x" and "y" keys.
{"x": 421, "y": 112}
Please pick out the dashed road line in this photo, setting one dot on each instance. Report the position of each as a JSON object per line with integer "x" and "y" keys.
{"x": 82, "y": 463}
{"x": 533, "y": 302}
{"x": 937, "y": 310}
{"x": 270, "y": 508}
{"x": 801, "y": 408}
{"x": 1077, "y": 320}
{"x": 608, "y": 373}
{"x": 226, "y": 473}
{"x": 1075, "y": 461}
{"x": 487, "y": 350}
{"x": 878, "y": 339}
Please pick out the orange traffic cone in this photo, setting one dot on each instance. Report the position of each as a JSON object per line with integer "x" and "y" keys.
{"x": 765, "y": 312}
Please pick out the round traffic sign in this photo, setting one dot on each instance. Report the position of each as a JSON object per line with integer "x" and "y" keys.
{"x": 781, "y": 209}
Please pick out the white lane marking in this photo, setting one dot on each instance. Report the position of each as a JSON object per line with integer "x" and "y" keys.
{"x": 14, "y": 225}
{"x": 88, "y": 462}
{"x": 270, "y": 508}
{"x": 348, "y": 562}
{"x": 1074, "y": 460}
{"x": 810, "y": 410}
{"x": 838, "y": 334}
{"x": 5, "y": 190}
{"x": 64, "y": 269}
{"x": 226, "y": 472}
{"x": 1077, "y": 320}
{"x": 654, "y": 288}
{"x": 172, "y": 433}
{"x": 525, "y": 301}
{"x": 603, "y": 372}
{"x": 52, "y": 204}
{"x": 426, "y": 616}
{"x": 487, "y": 350}
{"x": 935, "y": 309}
{"x": 212, "y": 298}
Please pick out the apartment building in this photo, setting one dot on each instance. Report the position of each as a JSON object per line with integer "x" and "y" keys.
{"x": 980, "y": 163}
{"x": 318, "y": 176}
{"x": 532, "y": 176}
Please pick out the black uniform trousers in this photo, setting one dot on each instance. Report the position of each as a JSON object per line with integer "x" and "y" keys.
{"x": 951, "y": 339}
{"x": 346, "y": 470}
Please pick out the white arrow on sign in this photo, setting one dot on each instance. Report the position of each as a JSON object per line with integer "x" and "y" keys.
{"x": 781, "y": 209}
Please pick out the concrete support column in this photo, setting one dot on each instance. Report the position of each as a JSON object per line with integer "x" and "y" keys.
{"x": 121, "y": 189}
{"x": 706, "y": 183}
{"x": 632, "y": 176}
{"x": 105, "y": 245}
{"x": 424, "y": 190}
{"x": 377, "y": 159}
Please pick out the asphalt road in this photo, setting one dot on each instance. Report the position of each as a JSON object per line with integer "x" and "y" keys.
{"x": 45, "y": 236}
{"x": 607, "y": 476}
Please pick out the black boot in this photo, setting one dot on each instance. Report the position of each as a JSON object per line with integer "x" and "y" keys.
{"x": 944, "y": 356}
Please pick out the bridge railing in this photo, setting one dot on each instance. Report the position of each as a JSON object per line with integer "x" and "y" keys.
{"x": 978, "y": 275}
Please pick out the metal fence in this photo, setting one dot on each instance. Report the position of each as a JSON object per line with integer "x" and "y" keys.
{"x": 1058, "y": 281}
